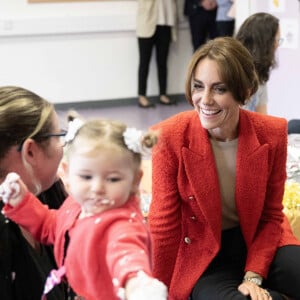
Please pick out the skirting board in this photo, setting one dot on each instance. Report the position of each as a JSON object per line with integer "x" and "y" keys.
{"x": 110, "y": 103}
{"x": 63, "y": 25}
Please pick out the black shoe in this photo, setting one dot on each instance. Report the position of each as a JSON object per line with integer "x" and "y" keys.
{"x": 146, "y": 104}
{"x": 167, "y": 101}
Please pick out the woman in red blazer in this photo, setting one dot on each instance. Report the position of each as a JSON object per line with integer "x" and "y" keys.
{"x": 218, "y": 180}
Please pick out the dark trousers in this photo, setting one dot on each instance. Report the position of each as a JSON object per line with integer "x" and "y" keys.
{"x": 202, "y": 26}
{"x": 225, "y": 28}
{"x": 161, "y": 40}
{"x": 226, "y": 272}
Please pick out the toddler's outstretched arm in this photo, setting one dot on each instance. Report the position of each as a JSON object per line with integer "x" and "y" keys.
{"x": 12, "y": 189}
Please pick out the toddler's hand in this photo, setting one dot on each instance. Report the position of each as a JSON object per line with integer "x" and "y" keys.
{"x": 146, "y": 288}
{"x": 12, "y": 189}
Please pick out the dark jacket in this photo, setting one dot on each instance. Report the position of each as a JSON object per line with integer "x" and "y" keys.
{"x": 23, "y": 270}
{"x": 191, "y": 7}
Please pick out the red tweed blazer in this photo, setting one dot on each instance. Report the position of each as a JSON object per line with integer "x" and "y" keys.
{"x": 185, "y": 212}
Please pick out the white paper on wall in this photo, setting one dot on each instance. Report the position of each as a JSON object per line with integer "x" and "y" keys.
{"x": 277, "y": 6}
{"x": 289, "y": 29}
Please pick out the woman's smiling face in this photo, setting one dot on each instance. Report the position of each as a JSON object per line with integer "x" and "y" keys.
{"x": 217, "y": 108}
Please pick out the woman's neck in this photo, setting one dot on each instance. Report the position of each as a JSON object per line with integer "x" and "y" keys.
{"x": 226, "y": 133}
{"x": 221, "y": 136}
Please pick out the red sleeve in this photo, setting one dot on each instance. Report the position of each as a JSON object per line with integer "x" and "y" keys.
{"x": 264, "y": 246}
{"x": 35, "y": 217}
{"x": 164, "y": 210}
{"x": 128, "y": 249}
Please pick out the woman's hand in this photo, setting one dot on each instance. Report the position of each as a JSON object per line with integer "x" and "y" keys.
{"x": 12, "y": 189}
{"x": 255, "y": 292}
{"x": 208, "y": 4}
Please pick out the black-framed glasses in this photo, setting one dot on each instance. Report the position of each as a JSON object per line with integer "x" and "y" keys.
{"x": 45, "y": 136}
{"x": 280, "y": 41}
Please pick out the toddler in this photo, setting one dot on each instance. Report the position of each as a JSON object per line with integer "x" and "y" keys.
{"x": 101, "y": 242}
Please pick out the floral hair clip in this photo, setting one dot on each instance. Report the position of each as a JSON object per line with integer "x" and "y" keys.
{"x": 73, "y": 128}
{"x": 133, "y": 139}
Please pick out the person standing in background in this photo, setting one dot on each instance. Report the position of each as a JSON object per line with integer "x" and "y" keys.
{"x": 202, "y": 20}
{"x": 225, "y": 22}
{"x": 155, "y": 21}
{"x": 260, "y": 34}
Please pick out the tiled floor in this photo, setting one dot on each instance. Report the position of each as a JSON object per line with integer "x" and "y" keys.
{"x": 129, "y": 113}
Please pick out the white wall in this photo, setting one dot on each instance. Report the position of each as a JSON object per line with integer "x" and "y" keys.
{"x": 243, "y": 10}
{"x": 80, "y": 51}
{"x": 85, "y": 51}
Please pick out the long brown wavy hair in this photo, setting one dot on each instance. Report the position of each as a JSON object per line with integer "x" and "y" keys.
{"x": 258, "y": 34}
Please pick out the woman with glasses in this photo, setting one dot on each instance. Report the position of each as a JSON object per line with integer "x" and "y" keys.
{"x": 30, "y": 145}
{"x": 260, "y": 34}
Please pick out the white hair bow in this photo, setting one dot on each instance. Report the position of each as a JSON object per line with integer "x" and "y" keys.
{"x": 133, "y": 140}
{"x": 73, "y": 128}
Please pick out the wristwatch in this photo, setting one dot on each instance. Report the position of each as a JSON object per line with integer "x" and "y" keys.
{"x": 255, "y": 279}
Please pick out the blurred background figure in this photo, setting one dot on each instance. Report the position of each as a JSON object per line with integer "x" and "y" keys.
{"x": 155, "y": 21}
{"x": 202, "y": 20}
{"x": 225, "y": 20}
{"x": 294, "y": 126}
{"x": 260, "y": 34}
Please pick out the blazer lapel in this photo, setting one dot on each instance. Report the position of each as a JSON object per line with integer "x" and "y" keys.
{"x": 251, "y": 176}
{"x": 201, "y": 172}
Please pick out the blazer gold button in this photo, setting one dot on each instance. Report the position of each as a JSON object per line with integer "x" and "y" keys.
{"x": 187, "y": 240}
{"x": 191, "y": 197}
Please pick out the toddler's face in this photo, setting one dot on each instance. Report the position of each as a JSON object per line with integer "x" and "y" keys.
{"x": 102, "y": 180}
